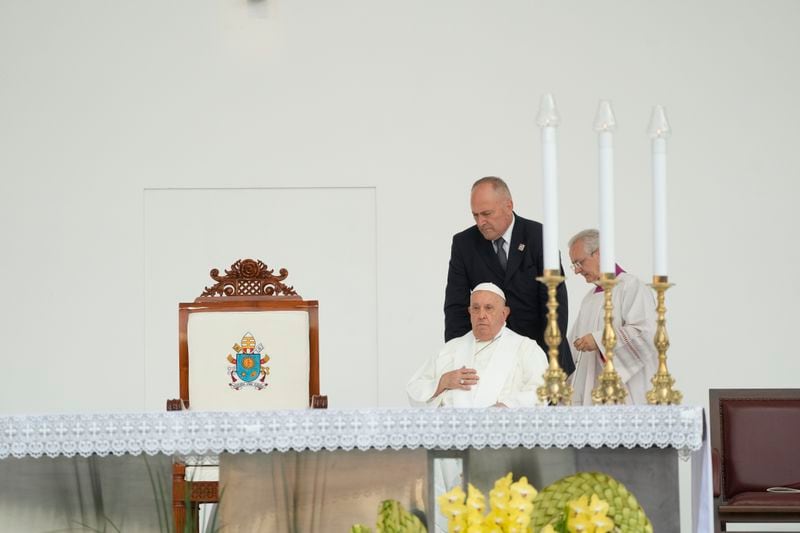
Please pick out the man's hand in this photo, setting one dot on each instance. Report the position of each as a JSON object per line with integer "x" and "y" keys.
{"x": 462, "y": 378}
{"x": 585, "y": 343}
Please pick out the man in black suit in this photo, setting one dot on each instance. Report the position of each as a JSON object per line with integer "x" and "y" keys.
{"x": 505, "y": 249}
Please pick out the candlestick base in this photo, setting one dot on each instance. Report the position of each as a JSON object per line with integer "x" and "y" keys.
{"x": 555, "y": 390}
{"x": 662, "y": 392}
{"x": 609, "y": 389}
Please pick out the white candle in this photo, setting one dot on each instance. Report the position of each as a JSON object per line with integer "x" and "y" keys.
{"x": 548, "y": 120}
{"x": 604, "y": 124}
{"x": 659, "y": 130}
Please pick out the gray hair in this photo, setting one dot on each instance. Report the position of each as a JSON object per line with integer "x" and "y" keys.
{"x": 498, "y": 185}
{"x": 590, "y": 238}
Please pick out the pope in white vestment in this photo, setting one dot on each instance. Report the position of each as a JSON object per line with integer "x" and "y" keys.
{"x": 634, "y": 322}
{"x": 490, "y": 365}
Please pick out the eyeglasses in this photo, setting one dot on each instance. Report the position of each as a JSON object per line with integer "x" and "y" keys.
{"x": 578, "y": 265}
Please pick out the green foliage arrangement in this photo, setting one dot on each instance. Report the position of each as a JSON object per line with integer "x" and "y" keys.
{"x": 392, "y": 518}
{"x": 623, "y": 508}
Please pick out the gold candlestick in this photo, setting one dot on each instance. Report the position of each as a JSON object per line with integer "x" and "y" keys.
{"x": 609, "y": 388}
{"x": 555, "y": 389}
{"x": 662, "y": 392}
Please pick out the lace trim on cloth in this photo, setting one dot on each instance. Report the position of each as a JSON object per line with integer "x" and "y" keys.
{"x": 207, "y": 433}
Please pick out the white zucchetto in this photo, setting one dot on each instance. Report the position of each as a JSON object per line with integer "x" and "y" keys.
{"x": 491, "y": 287}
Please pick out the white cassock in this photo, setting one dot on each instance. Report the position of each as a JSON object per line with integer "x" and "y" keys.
{"x": 635, "y": 355}
{"x": 510, "y": 368}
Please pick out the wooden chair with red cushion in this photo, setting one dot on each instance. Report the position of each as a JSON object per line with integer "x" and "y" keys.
{"x": 755, "y": 439}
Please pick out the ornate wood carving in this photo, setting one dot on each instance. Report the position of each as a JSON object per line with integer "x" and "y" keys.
{"x": 204, "y": 491}
{"x": 319, "y": 401}
{"x": 174, "y": 404}
{"x": 249, "y": 277}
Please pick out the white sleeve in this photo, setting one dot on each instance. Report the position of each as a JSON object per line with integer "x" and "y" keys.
{"x": 520, "y": 388}
{"x": 425, "y": 381}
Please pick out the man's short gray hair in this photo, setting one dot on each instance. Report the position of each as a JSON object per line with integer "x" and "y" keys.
{"x": 590, "y": 238}
{"x": 498, "y": 185}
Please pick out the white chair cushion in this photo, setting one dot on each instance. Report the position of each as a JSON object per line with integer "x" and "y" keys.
{"x": 284, "y": 336}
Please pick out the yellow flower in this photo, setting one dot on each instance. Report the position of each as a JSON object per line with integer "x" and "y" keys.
{"x": 547, "y": 529}
{"x": 579, "y": 524}
{"x": 501, "y": 486}
{"x": 579, "y": 506}
{"x": 519, "y": 520}
{"x": 505, "y": 481}
{"x": 510, "y": 507}
{"x": 454, "y": 511}
{"x": 489, "y": 528}
{"x": 499, "y": 503}
{"x": 523, "y": 489}
{"x": 476, "y": 505}
{"x": 498, "y": 493}
{"x": 495, "y": 518}
{"x": 598, "y": 506}
{"x": 456, "y": 526}
{"x": 475, "y": 499}
{"x": 472, "y": 492}
{"x": 602, "y": 523}
{"x": 474, "y": 517}
{"x": 456, "y": 495}
{"x": 520, "y": 505}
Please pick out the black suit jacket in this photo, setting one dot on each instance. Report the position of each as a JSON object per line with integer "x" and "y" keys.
{"x": 473, "y": 260}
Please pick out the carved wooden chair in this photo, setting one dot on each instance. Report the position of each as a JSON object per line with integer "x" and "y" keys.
{"x": 755, "y": 438}
{"x": 247, "y": 343}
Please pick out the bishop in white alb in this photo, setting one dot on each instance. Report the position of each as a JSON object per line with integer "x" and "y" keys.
{"x": 634, "y": 323}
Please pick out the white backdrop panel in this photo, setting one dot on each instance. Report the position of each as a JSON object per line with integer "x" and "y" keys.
{"x": 325, "y": 237}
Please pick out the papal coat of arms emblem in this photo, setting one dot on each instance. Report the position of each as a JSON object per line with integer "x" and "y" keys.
{"x": 250, "y": 368}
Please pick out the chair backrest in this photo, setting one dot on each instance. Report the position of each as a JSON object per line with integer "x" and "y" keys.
{"x": 757, "y": 435}
{"x": 249, "y": 342}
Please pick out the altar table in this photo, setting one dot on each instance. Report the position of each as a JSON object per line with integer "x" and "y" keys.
{"x": 60, "y": 469}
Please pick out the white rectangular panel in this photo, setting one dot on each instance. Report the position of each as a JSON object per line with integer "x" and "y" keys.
{"x": 324, "y": 237}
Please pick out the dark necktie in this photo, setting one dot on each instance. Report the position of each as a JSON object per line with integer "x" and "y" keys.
{"x": 501, "y": 252}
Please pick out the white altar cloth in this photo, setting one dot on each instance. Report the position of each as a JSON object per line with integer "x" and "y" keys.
{"x": 206, "y": 433}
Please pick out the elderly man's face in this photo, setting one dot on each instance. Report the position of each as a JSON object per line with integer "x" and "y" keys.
{"x": 587, "y": 265}
{"x": 491, "y": 211}
{"x": 487, "y": 313}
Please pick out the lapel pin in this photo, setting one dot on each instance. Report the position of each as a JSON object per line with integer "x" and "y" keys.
{"x": 521, "y": 247}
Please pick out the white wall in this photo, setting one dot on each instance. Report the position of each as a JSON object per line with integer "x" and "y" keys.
{"x": 415, "y": 99}
{"x": 101, "y": 100}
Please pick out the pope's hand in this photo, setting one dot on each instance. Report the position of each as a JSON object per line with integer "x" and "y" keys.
{"x": 461, "y": 378}
{"x": 585, "y": 343}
